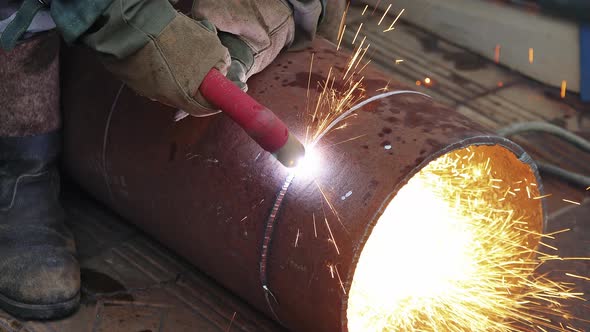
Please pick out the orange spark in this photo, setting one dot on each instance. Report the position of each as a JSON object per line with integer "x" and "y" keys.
{"x": 394, "y": 21}
{"x": 531, "y": 55}
{"x": 339, "y": 279}
{"x": 384, "y": 14}
{"x": 357, "y": 33}
{"x": 331, "y": 208}
{"x": 550, "y": 235}
{"x": 528, "y": 192}
{"x": 544, "y": 196}
{"x": 341, "y": 37}
{"x": 577, "y": 276}
{"x": 497, "y": 51}
{"x": 343, "y": 19}
{"x": 233, "y": 317}
{"x": 548, "y": 246}
{"x": 315, "y": 230}
{"x": 385, "y": 88}
{"x": 563, "y": 88}
{"x": 570, "y": 201}
{"x": 347, "y": 140}
{"x": 328, "y": 225}
{"x": 332, "y": 236}
{"x": 297, "y": 237}
{"x": 309, "y": 78}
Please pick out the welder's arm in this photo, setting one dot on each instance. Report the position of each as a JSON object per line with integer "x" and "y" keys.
{"x": 164, "y": 55}
{"x": 160, "y": 53}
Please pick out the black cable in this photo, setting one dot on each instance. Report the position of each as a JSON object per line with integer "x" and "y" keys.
{"x": 568, "y": 136}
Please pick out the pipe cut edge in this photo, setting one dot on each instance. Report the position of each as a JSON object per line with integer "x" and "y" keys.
{"x": 443, "y": 246}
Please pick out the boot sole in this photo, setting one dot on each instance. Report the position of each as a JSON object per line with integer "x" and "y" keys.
{"x": 39, "y": 311}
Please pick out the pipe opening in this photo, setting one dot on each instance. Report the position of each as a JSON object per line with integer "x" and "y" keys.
{"x": 454, "y": 250}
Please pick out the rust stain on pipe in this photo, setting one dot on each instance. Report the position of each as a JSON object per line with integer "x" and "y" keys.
{"x": 205, "y": 189}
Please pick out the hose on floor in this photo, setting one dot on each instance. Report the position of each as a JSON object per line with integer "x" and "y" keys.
{"x": 544, "y": 127}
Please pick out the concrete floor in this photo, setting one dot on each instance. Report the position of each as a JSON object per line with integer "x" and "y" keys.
{"x": 131, "y": 283}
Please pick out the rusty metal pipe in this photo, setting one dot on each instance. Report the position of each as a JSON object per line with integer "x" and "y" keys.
{"x": 204, "y": 188}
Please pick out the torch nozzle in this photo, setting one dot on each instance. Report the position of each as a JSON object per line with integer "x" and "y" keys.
{"x": 291, "y": 153}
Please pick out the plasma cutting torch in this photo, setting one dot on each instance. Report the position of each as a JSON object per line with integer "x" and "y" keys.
{"x": 260, "y": 123}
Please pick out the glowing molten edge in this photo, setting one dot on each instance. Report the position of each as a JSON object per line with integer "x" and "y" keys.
{"x": 454, "y": 250}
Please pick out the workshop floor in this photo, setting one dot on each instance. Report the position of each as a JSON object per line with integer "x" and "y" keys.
{"x": 131, "y": 283}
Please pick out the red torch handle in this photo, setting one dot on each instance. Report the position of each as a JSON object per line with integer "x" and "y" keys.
{"x": 258, "y": 121}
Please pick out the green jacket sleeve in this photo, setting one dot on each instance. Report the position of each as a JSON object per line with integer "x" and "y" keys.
{"x": 74, "y": 17}
{"x": 113, "y": 27}
{"x": 128, "y": 25}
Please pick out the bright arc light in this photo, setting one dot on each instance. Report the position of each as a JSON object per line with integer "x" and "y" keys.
{"x": 455, "y": 251}
{"x": 310, "y": 165}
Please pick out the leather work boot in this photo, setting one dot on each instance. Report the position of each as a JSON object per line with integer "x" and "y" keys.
{"x": 39, "y": 273}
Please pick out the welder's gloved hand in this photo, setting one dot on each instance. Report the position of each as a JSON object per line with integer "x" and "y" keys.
{"x": 158, "y": 52}
{"x": 253, "y": 31}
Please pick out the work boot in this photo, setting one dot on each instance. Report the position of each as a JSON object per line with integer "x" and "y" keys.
{"x": 39, "y": 273}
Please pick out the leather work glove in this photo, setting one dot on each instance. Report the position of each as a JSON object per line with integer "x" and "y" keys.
{"x": 160, "y": 53}
{"x": 253, "y": 31}
{"x": 256, "y": 31}
{"x": 242, "y": 60}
